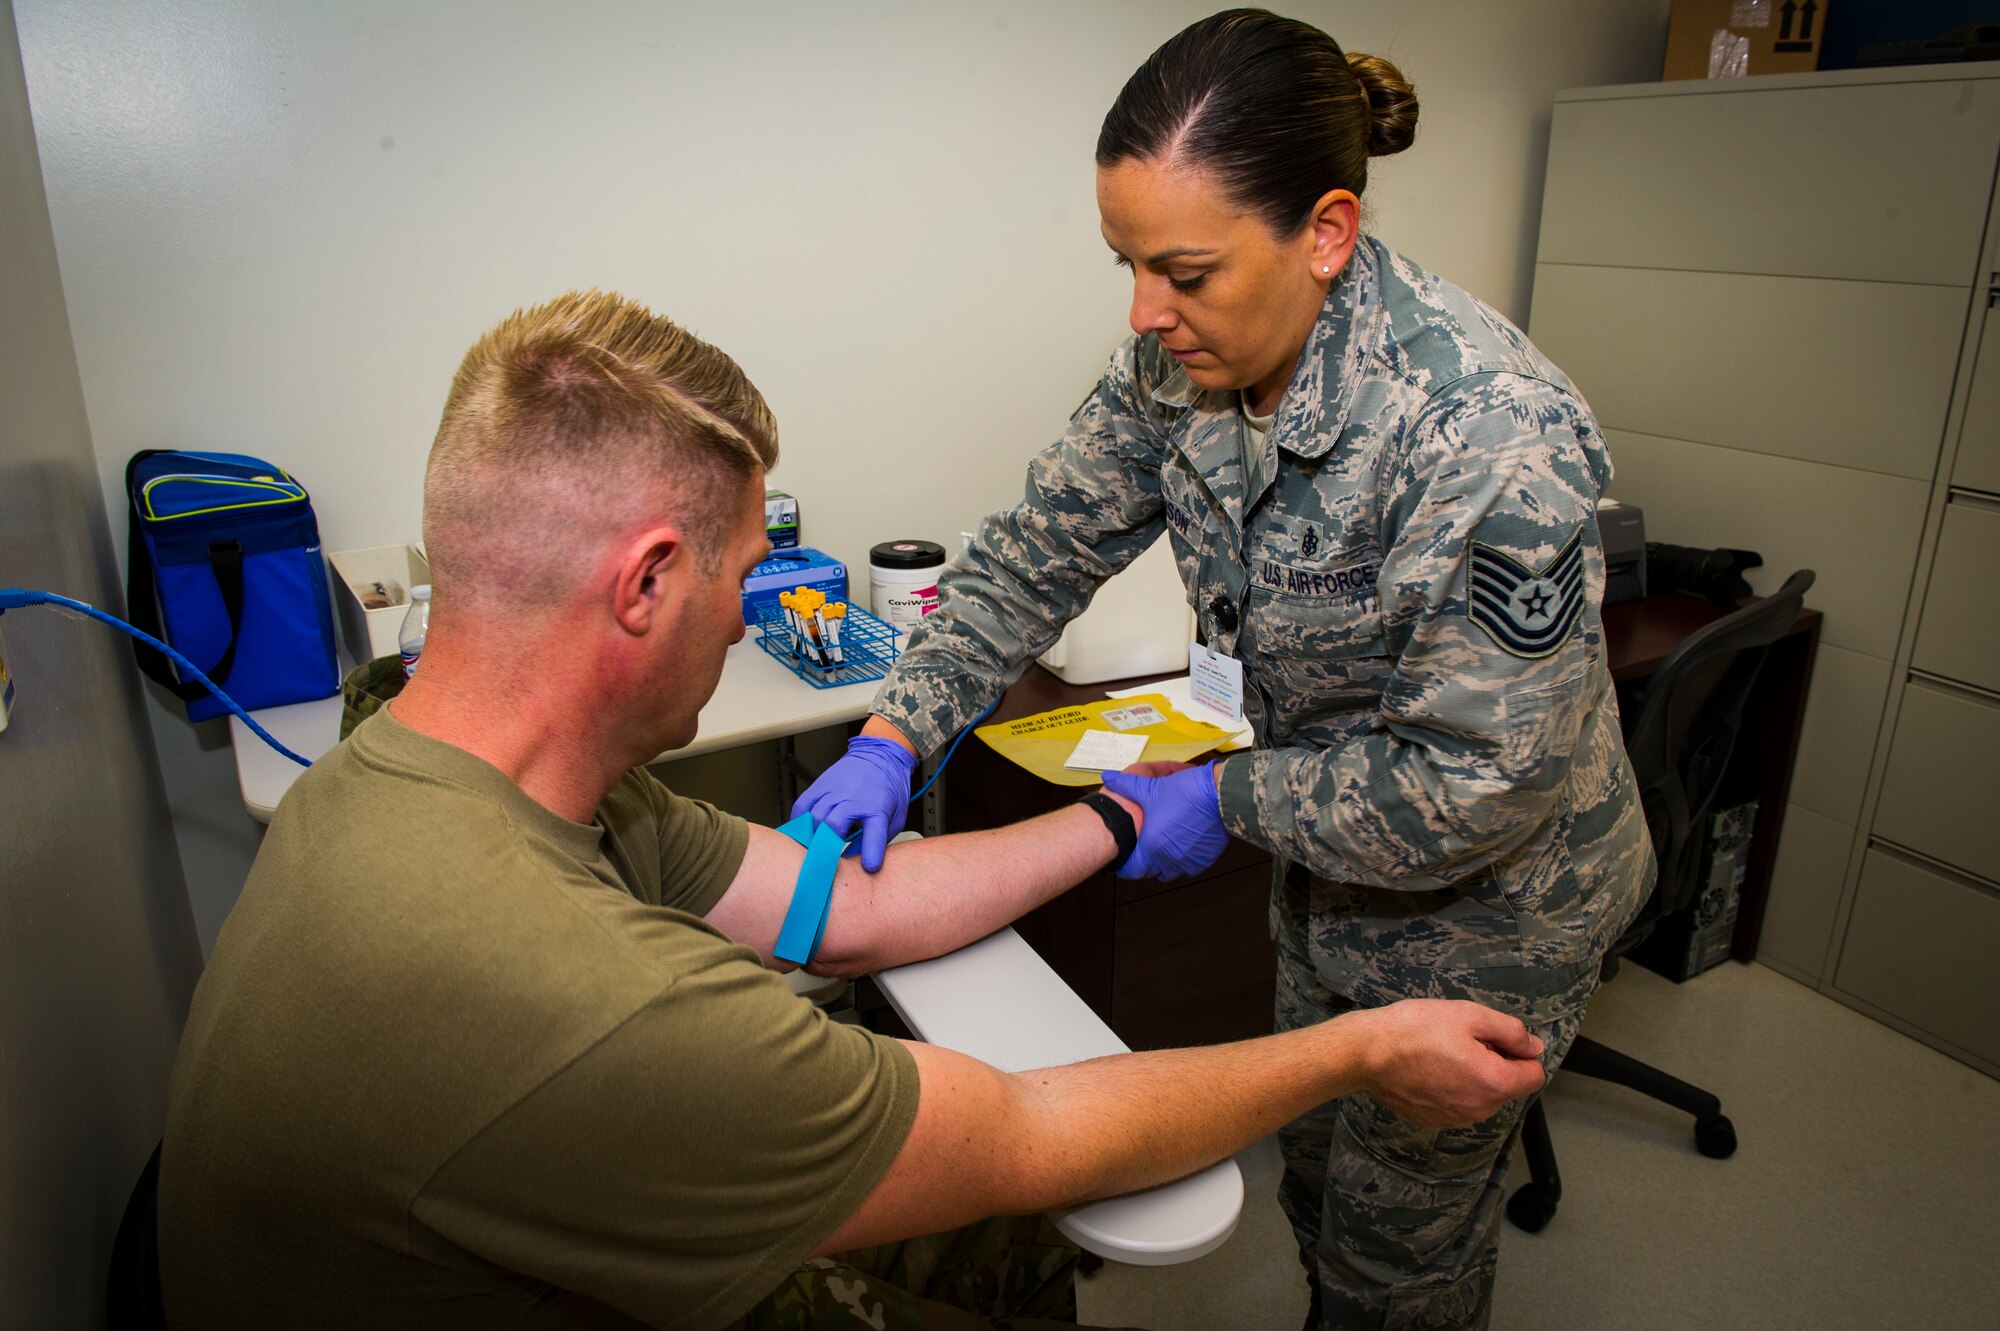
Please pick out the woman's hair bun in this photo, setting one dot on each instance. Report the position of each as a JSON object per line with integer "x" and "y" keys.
{"x": 1392, "y": 103}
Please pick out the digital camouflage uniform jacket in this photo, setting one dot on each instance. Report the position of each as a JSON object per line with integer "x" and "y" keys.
{"x": 1412, "y": 582}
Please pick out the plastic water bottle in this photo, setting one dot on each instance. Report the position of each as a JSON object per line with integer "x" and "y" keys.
{"x": 416, "y": 627}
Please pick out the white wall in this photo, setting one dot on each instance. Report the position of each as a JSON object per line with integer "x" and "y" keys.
{"x": 281, "y": 223}
{"x": 101, "y": 954}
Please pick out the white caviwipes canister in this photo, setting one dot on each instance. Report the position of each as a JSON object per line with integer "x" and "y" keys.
{"x": 902, "y": 581}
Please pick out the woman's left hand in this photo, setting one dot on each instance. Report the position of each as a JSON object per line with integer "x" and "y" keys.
{"x": 1182, "y": 832}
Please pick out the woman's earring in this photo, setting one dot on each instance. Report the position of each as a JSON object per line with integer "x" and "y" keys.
{"x": 1327, "y": 271}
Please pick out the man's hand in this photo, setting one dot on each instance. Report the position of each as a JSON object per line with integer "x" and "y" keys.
{"x": 868, "y": 787}
{"x": 1444, "y": 1064}
{"x": 1182, "y": 831}
{"x": 1158, "y": 767}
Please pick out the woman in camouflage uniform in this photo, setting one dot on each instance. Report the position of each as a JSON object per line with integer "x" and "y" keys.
{"x": 1381, "y": 497}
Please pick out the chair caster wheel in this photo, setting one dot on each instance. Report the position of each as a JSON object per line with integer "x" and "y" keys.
{"x": 1715, "y": 1138}
{"x": 1528, "y": 1211}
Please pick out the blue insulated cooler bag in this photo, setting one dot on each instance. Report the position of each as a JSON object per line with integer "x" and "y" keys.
{"x": 225, "y": 566}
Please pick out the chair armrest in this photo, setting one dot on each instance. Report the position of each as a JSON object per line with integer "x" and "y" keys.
{"x": 998, "y": 1001}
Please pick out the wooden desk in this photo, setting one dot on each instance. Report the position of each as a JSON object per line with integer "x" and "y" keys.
{"x": 1167, "y": 964}
{"x": 1164, "y": 964}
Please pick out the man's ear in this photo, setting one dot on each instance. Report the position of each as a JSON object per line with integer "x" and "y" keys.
{"x": 648, "y": 572}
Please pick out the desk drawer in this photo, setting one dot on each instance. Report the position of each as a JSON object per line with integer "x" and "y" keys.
{"x": 1925, "y": 948}
{"x": 1937, "y": 795}
{"x": 1960, "y": 634}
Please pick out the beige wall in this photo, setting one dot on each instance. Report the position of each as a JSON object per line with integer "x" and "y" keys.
{"x": 101, "y": 954}
{"x": 281, "y": 223}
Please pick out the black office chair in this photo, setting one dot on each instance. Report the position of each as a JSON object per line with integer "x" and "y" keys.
{"x": 132, "y": 1292}
{"x": 1679, "y": 739}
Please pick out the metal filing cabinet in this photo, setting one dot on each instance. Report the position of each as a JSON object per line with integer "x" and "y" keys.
{"x": 1958, "y": 637}
{"x": 1937, "y": 978}
{"x": 1937, "y": 790}
{"x": 1774, "y": 291}
{"x": 1922, "y": 945}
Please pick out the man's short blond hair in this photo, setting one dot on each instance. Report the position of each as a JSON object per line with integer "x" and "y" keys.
{"x": 571, "y": 421}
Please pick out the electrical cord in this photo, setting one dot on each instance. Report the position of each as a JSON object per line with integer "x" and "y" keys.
{"x": 19, "y": 598}
{"x": 954, "y": 749}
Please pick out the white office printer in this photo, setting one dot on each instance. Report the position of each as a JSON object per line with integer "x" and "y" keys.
{"x": 1622, "y": 529}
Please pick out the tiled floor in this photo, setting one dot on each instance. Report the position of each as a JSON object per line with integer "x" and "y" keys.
{"x": 1866, "y": 1193}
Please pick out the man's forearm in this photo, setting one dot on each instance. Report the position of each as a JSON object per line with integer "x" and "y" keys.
{"x": 1115, "y": 1125}
{"x": 992, "y": 1143}
{"x": 989, "y": 1143}
{"x": 937, "y": 895}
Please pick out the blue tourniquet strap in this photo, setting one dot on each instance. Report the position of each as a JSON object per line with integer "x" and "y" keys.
{"x": 800, "y": 829}
{"x": 805, "y": 918}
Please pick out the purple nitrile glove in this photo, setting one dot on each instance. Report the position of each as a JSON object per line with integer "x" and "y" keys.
{"x": 868, "y": 787}
{"x": 1182, "y": 833}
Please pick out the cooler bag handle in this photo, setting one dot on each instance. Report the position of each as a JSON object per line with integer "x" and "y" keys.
{"x": 225, "y": 560}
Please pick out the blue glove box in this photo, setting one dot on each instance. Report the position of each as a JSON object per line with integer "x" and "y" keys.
{"x": 787, "y": 570}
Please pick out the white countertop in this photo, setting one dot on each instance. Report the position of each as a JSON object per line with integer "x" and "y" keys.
{"x": 756, "y": 699}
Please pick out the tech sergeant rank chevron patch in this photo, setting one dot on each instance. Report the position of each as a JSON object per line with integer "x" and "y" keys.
{"x": 1528, "y": 612}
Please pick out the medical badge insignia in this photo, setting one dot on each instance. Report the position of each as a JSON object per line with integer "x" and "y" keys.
{"x": 1308, "y": 540}
{"x": 1528, "y": 611}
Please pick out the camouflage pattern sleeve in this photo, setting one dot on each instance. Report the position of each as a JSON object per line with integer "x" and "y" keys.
{"x": 1091, "y": 507}
{"x": 1489, "y": 589}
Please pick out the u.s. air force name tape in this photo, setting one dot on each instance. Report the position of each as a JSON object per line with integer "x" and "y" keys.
{"x": 1527, "y": 611}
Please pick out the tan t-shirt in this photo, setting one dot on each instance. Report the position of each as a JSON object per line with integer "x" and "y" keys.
{"x": 458, "y": 1061}
{"x": 1256, "y": 434}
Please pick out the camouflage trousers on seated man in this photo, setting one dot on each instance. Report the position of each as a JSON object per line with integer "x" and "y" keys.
{"x": 367, "y": 689}
{"x": 1398, "y": 1225}
{"x": 1005, "y": 1274}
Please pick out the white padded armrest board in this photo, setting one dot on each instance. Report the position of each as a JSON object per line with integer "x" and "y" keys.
{"x": 998, "y": 1001}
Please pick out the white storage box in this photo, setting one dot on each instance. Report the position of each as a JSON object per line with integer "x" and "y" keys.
{"x": 372, "y": 633}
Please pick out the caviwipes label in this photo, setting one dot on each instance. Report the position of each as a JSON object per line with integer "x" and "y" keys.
{"x": 908, "y": 605}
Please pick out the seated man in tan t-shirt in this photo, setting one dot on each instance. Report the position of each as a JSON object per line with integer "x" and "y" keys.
{"x": 493, "y": 1036}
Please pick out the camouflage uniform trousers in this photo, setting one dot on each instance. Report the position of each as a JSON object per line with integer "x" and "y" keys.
{"x": 367, "y": 689}
{"x": 1398, "y": 1225}
{"x": 1004, "y": 1274}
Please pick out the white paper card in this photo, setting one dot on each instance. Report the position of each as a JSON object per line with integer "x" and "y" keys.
{"x": 1105, "y": 751}
{"x": 1216, "y": 681}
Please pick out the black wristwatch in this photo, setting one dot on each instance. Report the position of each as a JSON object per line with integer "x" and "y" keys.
{"x": 1117, "y": 822}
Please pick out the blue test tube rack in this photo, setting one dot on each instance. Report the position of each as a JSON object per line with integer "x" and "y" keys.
{"x": 868, "y": 647}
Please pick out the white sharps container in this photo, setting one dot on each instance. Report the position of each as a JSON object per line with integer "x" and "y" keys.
{"x": 902, "y": 581}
